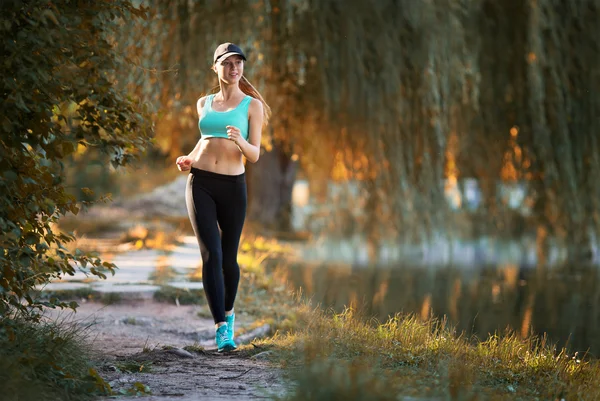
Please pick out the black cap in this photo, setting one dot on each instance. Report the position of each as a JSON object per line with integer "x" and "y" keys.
{"x": 225, "y": 50}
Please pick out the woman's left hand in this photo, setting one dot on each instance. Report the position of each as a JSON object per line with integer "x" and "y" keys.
{"x": 234, "y": 134}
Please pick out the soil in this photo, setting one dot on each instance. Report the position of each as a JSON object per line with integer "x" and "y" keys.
{"x": 150, "y": 335}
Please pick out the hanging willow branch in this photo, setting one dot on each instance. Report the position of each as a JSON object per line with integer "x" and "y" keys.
{"x": 410, "y": 97}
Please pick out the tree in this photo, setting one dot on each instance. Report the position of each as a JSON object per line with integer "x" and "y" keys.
{"x": 60, "y": 94}
{"x": 407, "y": 97}
{"x": 177, "y": 72}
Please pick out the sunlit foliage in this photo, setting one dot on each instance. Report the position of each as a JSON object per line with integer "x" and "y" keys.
{"x": 59, "y": 94}
{"x": 407, "y": 99}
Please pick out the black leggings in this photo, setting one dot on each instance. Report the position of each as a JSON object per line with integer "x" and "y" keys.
{"x": 217, "y": 201}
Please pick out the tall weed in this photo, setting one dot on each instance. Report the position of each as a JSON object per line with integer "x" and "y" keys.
{"x": 47, "y": 360}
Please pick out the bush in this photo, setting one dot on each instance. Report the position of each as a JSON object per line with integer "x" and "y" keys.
{"x": 45, "y": 361}
{"x": 60, "y": 97}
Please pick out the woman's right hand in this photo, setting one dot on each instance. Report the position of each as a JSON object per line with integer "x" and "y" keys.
{"x": 184, "y": 163}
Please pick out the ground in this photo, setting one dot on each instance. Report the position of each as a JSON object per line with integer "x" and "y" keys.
{"x": 148, "y": 335}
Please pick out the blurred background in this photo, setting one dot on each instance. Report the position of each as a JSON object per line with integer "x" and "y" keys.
{"x": 437, "y": 157}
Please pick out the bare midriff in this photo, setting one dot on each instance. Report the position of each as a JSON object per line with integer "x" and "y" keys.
{"x": 219, "y": 155}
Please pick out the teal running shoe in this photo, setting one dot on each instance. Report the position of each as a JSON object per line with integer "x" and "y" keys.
{"x": 230, "y": 325}
{"x": 224, "y": 344}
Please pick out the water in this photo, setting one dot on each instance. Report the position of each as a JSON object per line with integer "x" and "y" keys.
{"x": 563, "y": 302}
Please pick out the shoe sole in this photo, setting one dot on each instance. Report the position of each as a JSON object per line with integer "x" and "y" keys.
{"x": 227, "y": 348}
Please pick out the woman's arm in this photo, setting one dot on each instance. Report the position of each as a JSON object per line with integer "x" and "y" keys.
{"x": 194, "y": 153}
{"x": 199, "y": 107}
{"x": 251, "y": 148}
{"x": 184, "y": 163}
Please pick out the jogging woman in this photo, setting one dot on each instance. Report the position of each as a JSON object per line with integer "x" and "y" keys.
{"x": 230, "y": 123}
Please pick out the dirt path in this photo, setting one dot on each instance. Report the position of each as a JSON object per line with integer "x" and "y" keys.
{"x": 152, "y": 335}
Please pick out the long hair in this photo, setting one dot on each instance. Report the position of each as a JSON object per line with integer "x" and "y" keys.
{"x": 250, "y": 90}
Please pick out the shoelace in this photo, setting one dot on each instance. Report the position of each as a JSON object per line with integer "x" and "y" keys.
{"x": 223, "y": 336}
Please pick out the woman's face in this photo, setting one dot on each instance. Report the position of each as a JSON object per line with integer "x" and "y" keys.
{"x": 230, "y": 70}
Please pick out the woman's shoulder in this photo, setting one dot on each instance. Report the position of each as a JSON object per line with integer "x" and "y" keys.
{"x": 255, "y": 109}
{"x": 203, "y": 99}
{"x": 201, "y": 102}
{"x": 255, "y": 103}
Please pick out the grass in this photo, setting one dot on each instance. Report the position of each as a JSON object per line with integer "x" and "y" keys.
{"x": 72, "y": 294}
{"x": 133, "y": 366}
{"x": 180, "y": 296}
{"x": 79, "y": 295}
{"x": 346, "y": 357}
{"x": 195, "y": 348}
{"x": 262, "y": 294}
{"x": 325, "y": 355}
{"x": 266, "y": 298}
{"x": 46, "y": 361}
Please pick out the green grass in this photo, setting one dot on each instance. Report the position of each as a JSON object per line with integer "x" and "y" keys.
{"x": 64, "y": 295}
{"x": 266, "y": 298}
{"x": 133, "y": 366}
{"x": 195, "y": 348}
{"x": 325, "y": 355}
{"x": 46, "y": 361}
{"x": 77, "y": 295}
{"x": 181, "y": 296}
{"x": 345, "y": 357}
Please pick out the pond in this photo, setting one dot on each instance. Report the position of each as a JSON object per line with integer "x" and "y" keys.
{"x": 562, "y": 302}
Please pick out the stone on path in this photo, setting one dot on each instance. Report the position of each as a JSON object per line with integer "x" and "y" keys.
{"x": 180, "y": 352}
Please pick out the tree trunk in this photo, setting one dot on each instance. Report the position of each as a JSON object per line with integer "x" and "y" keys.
{"x": 270, "y": 183}
{"x": 271, "y": 180}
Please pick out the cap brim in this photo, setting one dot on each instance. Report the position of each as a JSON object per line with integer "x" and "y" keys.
{"x": 224, "y": 56}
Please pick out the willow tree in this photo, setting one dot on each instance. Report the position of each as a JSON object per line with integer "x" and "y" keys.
{"x": 406, "y": 98}
{"x": 433, "y": 91}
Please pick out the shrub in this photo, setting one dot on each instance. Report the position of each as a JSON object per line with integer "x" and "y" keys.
{"x": 46, "y": 361}
{"x": 60, "y": 97}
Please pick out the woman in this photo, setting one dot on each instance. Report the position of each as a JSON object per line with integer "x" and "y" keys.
{"x": 230, "y": 123}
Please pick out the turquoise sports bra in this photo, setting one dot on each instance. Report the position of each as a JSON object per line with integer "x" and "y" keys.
{"x": 212, "y": 123}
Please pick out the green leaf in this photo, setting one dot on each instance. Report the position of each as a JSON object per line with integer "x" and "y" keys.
{"x": 50, "y": 108}
{"x": 24, "y": 260}
{"x": 10, "y": 176}
{"x": 31, "y": 238}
